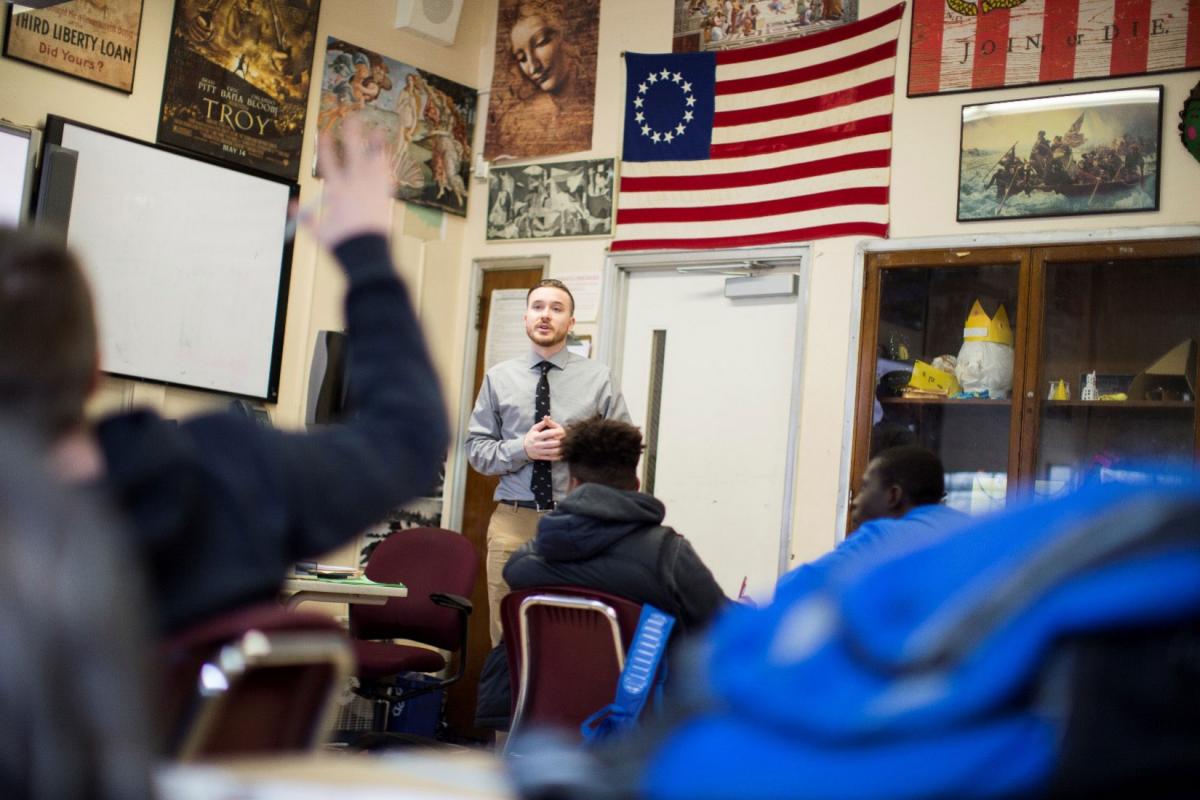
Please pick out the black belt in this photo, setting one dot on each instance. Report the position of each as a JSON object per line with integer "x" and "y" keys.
{"x": 527, "y": 504}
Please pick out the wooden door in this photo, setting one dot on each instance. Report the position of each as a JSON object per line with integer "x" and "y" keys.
{"x": 477, "y": 510}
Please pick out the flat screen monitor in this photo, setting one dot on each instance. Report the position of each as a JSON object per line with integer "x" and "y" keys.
{"x": 17, "y": 149}
{"x": 188, "y": 259}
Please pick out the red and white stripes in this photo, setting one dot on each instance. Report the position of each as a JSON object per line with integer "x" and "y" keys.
{"x": 1042, "y": 41}
{"x": 801, "y": 148}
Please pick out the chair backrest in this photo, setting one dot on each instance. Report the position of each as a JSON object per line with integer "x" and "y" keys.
{"x": 292, "y": 722}
{"x": 566, "y": 649}
{"x": 427, "y": 561}
{"x": 269, "y": 692}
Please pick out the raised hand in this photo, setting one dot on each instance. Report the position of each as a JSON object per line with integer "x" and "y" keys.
{"x": 359, "y": 188}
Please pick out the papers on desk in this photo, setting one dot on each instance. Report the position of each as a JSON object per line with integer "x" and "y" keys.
{"x": 303, "y": 568}
{"x": 341, "y": 580}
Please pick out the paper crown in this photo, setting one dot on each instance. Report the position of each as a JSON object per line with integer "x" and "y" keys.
{"x": 982, "y": 328}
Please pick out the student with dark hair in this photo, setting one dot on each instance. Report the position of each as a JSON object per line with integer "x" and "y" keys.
{"x": 900, "y": 496}
{"x": 218, "y": 505}
{"x": 607, "y": 535}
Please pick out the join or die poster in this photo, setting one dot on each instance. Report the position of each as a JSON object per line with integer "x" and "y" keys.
{"x": 96, "y": 40}
{"x": 237, "y": 81}
{"x": 426, "y": 120}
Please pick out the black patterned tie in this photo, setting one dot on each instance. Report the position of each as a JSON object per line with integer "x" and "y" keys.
{"x": 542, "y": 482}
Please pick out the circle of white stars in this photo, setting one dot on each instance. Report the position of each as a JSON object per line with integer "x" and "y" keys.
{"x": 670, "y": 134}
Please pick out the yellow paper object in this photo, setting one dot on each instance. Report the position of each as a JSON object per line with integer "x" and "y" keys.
{"x": 982, "y": 328}
{"x": 927, "y": 378}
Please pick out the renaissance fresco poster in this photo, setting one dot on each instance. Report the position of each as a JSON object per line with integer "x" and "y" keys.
{"x": 427, "y": 121}
{"x": 544, "y": 79}
{"x": 237, "y": 81}
{"x": 721, "y": 24}
{"x": 96, "y": 40}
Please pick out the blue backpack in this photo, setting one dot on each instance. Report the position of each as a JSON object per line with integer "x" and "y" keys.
{"x": 923, "y": 671}
{"x": 644, "y": 674}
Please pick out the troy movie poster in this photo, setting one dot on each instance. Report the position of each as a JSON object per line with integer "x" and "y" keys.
{"x": 237, "y": 81}
{"x": 95, "y": 40}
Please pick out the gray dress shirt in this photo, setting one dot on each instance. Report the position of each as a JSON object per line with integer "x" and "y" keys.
{"x": 579, "y": 388}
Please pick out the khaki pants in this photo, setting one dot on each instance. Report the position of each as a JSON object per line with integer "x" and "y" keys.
{"x": 508, "y": 529}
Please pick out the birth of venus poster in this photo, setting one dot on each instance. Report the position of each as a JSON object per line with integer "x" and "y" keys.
{"x": 237, "y": 81}
{"x": 426, "y": 121}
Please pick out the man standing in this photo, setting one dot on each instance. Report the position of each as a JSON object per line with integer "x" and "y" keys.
{"x": 900, "y": 497}
{"x": 517, "y": 427}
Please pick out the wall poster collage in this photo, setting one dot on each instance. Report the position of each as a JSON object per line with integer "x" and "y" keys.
{"x": 721, "y": 24}
{"x": 427, "y": 121}
{"x": 546, "y": 201}
{"x": 237, "y": 80}
{"x": 1064, "y": 155}
{"x": 544, "y": 82}
{"x": 94, "y": 41}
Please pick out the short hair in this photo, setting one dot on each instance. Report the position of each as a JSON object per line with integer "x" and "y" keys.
{"x": 553, "y": 283}
{"x": 604, "y": 451}
{"x": 48, "y": 340}
{"x": 917, "y": 471}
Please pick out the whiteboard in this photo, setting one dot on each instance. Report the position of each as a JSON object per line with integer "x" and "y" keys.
{"x": 16, "y": 165}
{"x": 188, "y": 261}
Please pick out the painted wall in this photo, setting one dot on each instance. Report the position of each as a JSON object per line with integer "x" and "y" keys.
{"x": 427, "y": 246}
{"x": 924, "y": 197}
{"x": 436, "y": 255}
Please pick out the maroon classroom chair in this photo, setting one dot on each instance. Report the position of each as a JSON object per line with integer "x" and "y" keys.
{"x": 438, "y": 567}
{"x": 260, "y": 679}
{"x": 566, "y": 648}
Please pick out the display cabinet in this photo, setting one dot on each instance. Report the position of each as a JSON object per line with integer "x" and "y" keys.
{"x": 1005, "y": 399}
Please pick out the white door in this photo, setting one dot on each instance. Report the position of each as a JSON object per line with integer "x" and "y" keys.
{"x": 725, "y": 430}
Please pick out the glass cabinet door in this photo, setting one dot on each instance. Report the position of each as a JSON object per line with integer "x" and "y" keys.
{"x": 933, "y": 388}
{"x": 1118, "y": 360}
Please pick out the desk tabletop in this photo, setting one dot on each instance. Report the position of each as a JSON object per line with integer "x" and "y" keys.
{"x": 427, "y": 775}
{"x": 350, "y": 586}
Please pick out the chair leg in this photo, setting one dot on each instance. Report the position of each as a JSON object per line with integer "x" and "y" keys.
{"x": 379, "y": 715}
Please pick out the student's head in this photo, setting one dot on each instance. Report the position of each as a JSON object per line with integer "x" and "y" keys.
{"x": 549, "y": 313}
{"x": 48, "y": 343}
{"x": 896, "y": 481}
{"x": 604, "y": 451}
{"x": 536, "y": 41}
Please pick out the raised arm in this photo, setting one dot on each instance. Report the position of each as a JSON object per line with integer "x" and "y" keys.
{"x": 331, "y": 484}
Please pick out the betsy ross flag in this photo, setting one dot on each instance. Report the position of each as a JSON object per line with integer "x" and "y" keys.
{"x": 783, "y": 142}
{"x": 959, "y": 45}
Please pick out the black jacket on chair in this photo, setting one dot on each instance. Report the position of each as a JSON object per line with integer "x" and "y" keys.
{"x": 614, "y": 540}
